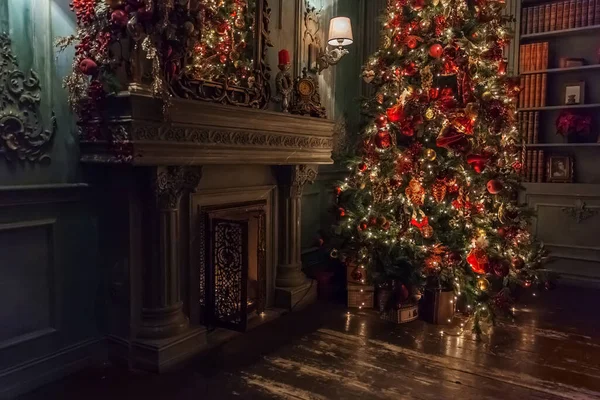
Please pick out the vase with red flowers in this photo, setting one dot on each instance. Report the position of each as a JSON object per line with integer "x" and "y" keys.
{"x": 576, "y": 128}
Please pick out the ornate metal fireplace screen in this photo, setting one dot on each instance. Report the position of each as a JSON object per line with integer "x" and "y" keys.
{"x": 227, "y": 295}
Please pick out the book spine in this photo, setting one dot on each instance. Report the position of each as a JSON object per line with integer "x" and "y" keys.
{"x": 541, "y": 19}
{"x": 553, "y": 17}
{"x": 534, "y": 166}
{"x": 590, "y": 13}
{"x": 545, "y": 55}
{"x": 540, "y": 171}
{"x": 530, "y": 19}
{"x": 522, "y": 92}
{"x": 524, "y": 20}
{"x": 547, "y": 13}
{"x": 526, "y": 102}
{"x": 529, "y": 165}
{"x": 530, "y": 127}
{"x": 523, "y": 127}
{"x": 571, "y": 14}
{"x": 535, "y": 122}
{"x": 538, "y": 56}
{"x": 543, "y": 90}
{"x": 521, "y": 59}
{"x": 536, "y": 17}
{"x": 578, "y": 13}
{"x": 566, "y": 12}
{"x": 585, "y": 15}
{"x": 537, "y": 90}
{"x": 597, "y": 12}
{"x": 559, "y": 16}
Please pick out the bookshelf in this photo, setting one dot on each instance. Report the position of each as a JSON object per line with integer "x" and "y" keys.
{"x": 553, "y": 57}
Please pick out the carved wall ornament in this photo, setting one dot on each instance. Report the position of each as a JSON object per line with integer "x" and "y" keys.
{"x": 208, "y": 136}
{"x": 312, "y": 34}
{"x": 172, "y": 181}
{"x": 22, "y": 135}
{"x": 301, "y": 175}
{"x": 579, "y": 212}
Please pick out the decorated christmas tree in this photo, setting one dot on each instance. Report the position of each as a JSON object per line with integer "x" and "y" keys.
{"x": 431, "y": 198}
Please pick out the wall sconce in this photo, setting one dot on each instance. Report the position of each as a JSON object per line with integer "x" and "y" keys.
{"x": 340, "y": 35}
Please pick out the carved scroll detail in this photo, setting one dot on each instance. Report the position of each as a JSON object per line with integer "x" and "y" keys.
{"x": 22, "y": 135}
{"x": 580, "y": 212}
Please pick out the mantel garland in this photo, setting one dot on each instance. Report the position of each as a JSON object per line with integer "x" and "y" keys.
{"x": 174, "y": 47}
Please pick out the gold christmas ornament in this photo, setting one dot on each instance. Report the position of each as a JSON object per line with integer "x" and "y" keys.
{"x": 429, "y": 114}
{"x": 427, "y": 232}
{"x": 439, "y": 190}
{"x": 425, "y": 25}
{"x": 430, "y": 154}
{"x": 415, "y": 192}
{"x": 472, "y": 111}
{"x": 487, "y": 96}
{"x": 362, "y": 185}
{"x": 386, "y": 41}
{"x": 482, "y": 284}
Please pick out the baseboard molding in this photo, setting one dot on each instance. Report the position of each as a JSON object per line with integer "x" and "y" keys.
{"x": 34, "y": 373}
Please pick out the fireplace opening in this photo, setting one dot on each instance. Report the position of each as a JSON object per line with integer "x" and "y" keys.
{"x": 234, "y": 278}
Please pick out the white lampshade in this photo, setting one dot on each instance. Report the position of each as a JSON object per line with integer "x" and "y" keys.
{"x": 340, "y": 32}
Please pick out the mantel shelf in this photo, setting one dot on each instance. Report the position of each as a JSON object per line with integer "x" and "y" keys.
{"x": 199, "y": 133}
{"x": 563, "y": 107}
{"x": 582, "y": 68}
{"x": 562, "y": 32}
{"x": 561, "y": 145}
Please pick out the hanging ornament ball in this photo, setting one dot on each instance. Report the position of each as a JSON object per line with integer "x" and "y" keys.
{"x": 418, "y": 4}
{"x": 429, "y": 113}
{"x": 334, "y": 253}
{"x": 430, "y": 154}
{"x": 482, "y": 284}
{"x": 425, "y": 25}
{"x": 189, "y": 27}
{"x": 338, "y": 191}
{"x": 119, "y": 17}
{"x": 487, "y": 96}
{"x": 239, "y": 23}
{"x": 494, "y": 186}
{"x": 341, "y": 212}
{"x": 223, "y": 58}
{"x": 436, "y": 50}
{"x": 357, "y": 274}
{"x": 362, "y": 185}
{"x": 362, "y": 167}
{"x": 222, "y": 28}
{"x": 427, "y": 232}
{"x": 372, "y": 220}
{"x": 412, "y": 42}
{"x": 380, "y": 98}
{"x": 501, "y": 269}
{"x": 87, "y": 66}
{"x": 502, "y": 232}
{"x": 363, "y": 226}
{"x": 382, "y": 220}
{"x": 517, "y": 165}
{"x": 386, "y": 226}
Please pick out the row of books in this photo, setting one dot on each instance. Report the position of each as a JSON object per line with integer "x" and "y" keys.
{"x": 529, "y": 126}
{"x": 533, "y": 57}
{"x": 563, "y": 15}
{"x": 533, "y": 91}
{"x": 534, "y": 166}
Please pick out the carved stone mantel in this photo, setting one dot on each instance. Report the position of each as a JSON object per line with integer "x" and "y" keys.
{"x": 200, "y": 133}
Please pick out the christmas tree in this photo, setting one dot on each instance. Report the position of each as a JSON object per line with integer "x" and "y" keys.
{"x": 432, "y": 193}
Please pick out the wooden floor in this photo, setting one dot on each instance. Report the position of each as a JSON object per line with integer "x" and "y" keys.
{"x": 551, "y": 352}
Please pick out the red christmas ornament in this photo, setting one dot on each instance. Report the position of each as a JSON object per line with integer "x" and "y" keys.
{"x": 420, "y": 224}
{"x": 362, "y": 167}
{"x": 477, "y": 161}
{"x": 418, "y": 4}
{"x": 410, "y": 69}
{"x": 119, "y": 17}
{"x": 494, "y": 186}
{"x": 386, "y": 226}
{"x": 517, "y": 165}
{"x": 518, "y": 263}
{"x": 434, "y": 93}
{"x": 502, "y": 232}
{"x": 436, "y": 50}
{"x": 363, "y": 226}
{"x": 412, "y": 41}
{"x": 338, "y": 191}
{"x": 381, "y": 121}
{"x": 341, "y": 212}
{"x": 500, "y": 268}
{"x": 450, "y": 138}
{"x": 88, "y": 66}
{"x": 478, "y": 261}
{"x": 402, "y": 293}
{"x": 395, "y": 113}
{"x": 408, "y": 130}
{"x": 356, "y": 274}
{"x": 383, "y": 139}
{"x": 372, "y": 221}
{"x": 502, "y": 67}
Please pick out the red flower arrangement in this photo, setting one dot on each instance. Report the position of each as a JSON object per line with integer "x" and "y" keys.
{"x": 569, "y": 123}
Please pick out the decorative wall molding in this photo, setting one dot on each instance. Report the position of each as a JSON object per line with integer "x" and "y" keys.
{"x": 22, "y": 135}
{"x": 221, "y": 137}
{"x": 580, "y": 212}
{"x": 171, "y": 182}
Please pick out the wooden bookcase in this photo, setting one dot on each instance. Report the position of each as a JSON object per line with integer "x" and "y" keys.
{"x": 568, "y": 214}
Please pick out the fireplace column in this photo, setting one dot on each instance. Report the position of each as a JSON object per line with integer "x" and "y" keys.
{"x": 162, "y": 314}
{"x": 293, "y": 289}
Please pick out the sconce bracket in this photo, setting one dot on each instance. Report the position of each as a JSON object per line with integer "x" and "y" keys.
{"x": 327, "y": 58}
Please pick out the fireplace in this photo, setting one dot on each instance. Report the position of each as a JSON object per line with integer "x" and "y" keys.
{"x": 233, "y": 276}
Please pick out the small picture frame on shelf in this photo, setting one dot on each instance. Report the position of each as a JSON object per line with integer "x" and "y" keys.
{"x": 566, "y": 62}
{"x": 574, "y": 93}
{"x": 559, "y": 169}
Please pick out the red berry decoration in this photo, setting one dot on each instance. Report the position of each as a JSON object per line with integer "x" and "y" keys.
{"x": 436, "y": 50}
{"x": 362, "y": 167}
{"x": 494, "y": 186}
